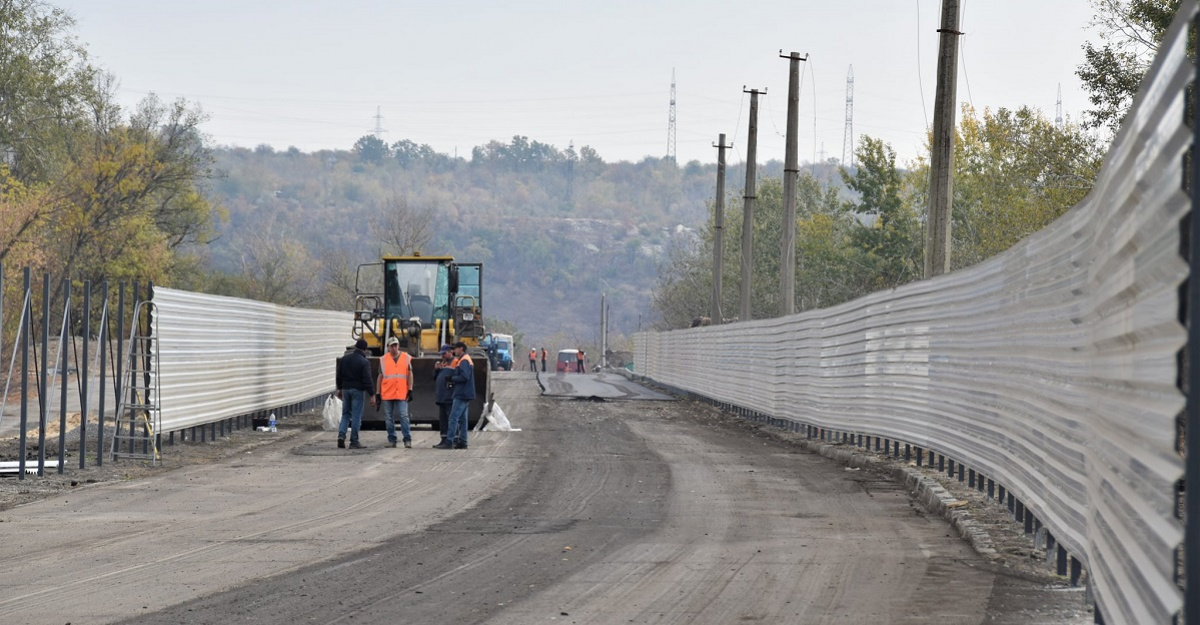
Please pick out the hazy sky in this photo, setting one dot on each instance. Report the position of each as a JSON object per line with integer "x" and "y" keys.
{"x": 458, "y": 73}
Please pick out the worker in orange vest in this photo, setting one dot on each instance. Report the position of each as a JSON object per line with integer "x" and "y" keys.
{"x": 533, "y": 359}
{"x": 579, "y": 360}
{"x": 544, "y": 354}
{"x": 393, "y": 390}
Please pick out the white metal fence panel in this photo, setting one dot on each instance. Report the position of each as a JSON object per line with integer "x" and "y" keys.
{"x": 1051, "y": 368}
{"x": 222, "y": 356}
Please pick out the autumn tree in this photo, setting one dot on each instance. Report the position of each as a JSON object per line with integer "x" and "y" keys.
{"x": 131, "y": 192}
{"x": 1015, "y": 173}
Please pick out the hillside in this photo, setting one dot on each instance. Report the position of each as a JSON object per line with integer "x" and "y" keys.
{"x": 554, "y": 229}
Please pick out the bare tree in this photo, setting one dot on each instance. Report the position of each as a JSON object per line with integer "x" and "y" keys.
{"x": 278, "y": 269}
{"x": 402, "y": 228}
{"x": 338, "y": 274}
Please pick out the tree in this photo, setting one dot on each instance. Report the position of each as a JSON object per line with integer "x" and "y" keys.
{"x": 45, "y": 82}
{"x": 403, "y": 229}
{"x": 131, "y": 192}
{"x": 1014, "y": 173}
{"x": 371, "y": 149}
{"x": 1130, "y": 31}
{"x": 277, "y": 268}
{"x": 889, "y": 235}
{"x": 824, "y": 274}
{"x": 22, "y": 213}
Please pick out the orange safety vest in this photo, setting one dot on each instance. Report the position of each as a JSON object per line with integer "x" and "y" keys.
{"x": 579, "y": 356}
{"x": 395, "y": 383}
{"x": 533, "y": 354}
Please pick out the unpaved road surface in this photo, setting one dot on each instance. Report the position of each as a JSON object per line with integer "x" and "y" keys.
{"x": 596, "y": 512}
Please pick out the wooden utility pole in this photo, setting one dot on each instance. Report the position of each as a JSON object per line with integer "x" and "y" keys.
{"x": 748, "y": 211}
{"x": 719, "y": 231}
{"x": 791, "y": 172}
{"x": 941, "y": 159}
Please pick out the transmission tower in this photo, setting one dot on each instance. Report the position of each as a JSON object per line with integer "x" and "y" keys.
{"x": 1058, "y": 109}
{"x": 379, "y": 129}
{"x": 671, "y": 122}
{"x": 848, "y": 139}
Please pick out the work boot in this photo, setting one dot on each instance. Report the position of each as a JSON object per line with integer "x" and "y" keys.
{"x": 408, "y": 444}
{"x": 357, "y": 445}
{"x": 341, "y": 443}
{"x": 443, "y": 445}
{"x": 391, "y": 443}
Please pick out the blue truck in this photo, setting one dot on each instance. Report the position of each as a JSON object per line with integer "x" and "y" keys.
{"x": 500, "y": 351}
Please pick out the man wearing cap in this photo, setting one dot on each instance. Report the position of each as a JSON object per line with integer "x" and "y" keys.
{"x": 443, "y": 394}
{"x": 463, "y": 379}
{"x": 393, "y": 390}
{"x": 354, "y": 386}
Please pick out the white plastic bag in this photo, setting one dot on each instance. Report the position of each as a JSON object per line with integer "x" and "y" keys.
{"x": 498, "y": 421}
{"x": 331, "y": 416}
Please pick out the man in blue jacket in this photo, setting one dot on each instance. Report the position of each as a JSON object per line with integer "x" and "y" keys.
{"x": 463, "y": 381}
{"x": 443, "y": 395}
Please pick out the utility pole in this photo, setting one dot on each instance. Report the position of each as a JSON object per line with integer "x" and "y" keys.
{"x": 848, "y": 136}
{"x": 941, "y": 159}
{"x": 748, "y": 211}
{"x": 791, "y": 173}
{"x": 603, "y": 334}
{"x": 671, "y": 122}
{"x": 719, "y": 231}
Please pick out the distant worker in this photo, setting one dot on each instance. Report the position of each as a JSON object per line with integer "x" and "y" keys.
{"x": 354, "y": 386}
{"x": 533, "y": 359}
{"x": 443, "y": 394}
{"x": 579, "y": 361}
{"x": 463, "y": 381}
{"x": 544, "y": 354}
{"x": 394, "y": 390}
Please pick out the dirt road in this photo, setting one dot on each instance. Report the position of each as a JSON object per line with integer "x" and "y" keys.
{"x": 597, "y": 512}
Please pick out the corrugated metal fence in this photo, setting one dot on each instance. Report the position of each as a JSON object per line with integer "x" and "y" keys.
{"x": 1051, "y": 369}
{"x": 223, "y": 357}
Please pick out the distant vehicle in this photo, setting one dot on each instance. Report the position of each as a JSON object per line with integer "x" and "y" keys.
{"x": 500, "y": 351}
{"x": 566, "y": 360}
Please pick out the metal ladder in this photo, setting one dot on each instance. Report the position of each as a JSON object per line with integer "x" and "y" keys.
{"x": 139, "y": 414}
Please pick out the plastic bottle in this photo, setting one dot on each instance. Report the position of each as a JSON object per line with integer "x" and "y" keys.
{"x": 271, "y": 422}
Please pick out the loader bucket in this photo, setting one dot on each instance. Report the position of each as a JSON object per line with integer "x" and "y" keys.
{"x": 423, "y": 409}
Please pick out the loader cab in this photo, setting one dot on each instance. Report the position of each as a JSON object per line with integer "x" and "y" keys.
{"x": 429, "y": 300}
{"x": 413, "y": 288}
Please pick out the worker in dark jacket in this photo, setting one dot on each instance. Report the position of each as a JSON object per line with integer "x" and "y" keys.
{"x": 355, "y": 385}
{"x": 463, "y": 381}
{"x": 443, "y": 395}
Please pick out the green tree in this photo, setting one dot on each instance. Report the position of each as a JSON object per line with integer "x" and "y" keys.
{"x": 1130, "y": 31}
{"x": 889, "y": 233}
{"x": 826, "y": 273}
{"x": 371, "y": 149}
{"x": 45, "y": 84}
